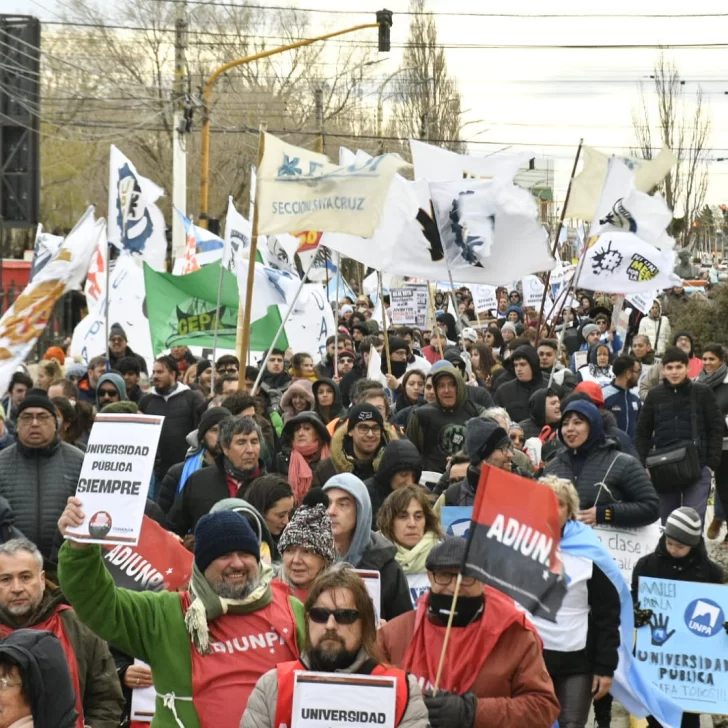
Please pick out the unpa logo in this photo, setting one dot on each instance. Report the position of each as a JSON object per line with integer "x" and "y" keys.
{"x": 704, "y": 617}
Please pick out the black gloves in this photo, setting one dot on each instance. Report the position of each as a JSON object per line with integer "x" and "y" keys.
{"x": 642, "y": 617}
{"x": 448, "y": 710}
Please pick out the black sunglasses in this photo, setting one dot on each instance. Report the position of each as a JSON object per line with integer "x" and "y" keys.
{"x": 321, "y": 615}
{"x": 107, "y": 393}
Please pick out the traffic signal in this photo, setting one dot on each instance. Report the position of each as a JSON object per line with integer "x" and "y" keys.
{"x": 384, "y": 18}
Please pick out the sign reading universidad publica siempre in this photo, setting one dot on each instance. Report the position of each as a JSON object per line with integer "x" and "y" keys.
{"x": 336, "y": 700}
{"x": 115, "y": 476}
{"x": 684, "y": 649}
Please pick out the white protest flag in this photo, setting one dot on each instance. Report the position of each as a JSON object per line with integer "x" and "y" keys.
{"x": 643, "y": 301}
{"x": 45, "y": 247}
{"x": 126, "y": 307}
{"x": 625, "y": 262}
{"x": 374, "y": 365}
{"x": 302, "y": 190}
{"x": 201, "y": 248}
{"x": 238, "y": 233}
{"x": 587, "y": 185}
{"x": 25, "y": 320}
{"x": 135, "y": 223}
{"x": 270, "y": 287}
{"x": 311, "y": 323}
{"x": 435, "y": 164}
{"x": 95, "y": 286}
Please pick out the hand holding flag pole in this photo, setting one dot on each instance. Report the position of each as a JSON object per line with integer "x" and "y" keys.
{"x": 336, "y": 315}
{"x": 448, "y": 629}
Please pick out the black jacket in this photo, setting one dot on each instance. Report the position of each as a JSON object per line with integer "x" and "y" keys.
{"x": 203, "y": 489}
{"x": 665, "y": 420}
{"x": 696, "y": 566}
{"x": 128, "y": 352}
{"x": 181, "y": 416}
{"x": 514, "y": 395}
{"x": 336, "y": 409}
{"x": 533, "y": 425}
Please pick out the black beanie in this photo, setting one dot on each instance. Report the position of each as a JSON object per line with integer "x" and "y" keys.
{"x": 482, "y": 437}
{"x": 221, "y": 533}
{"x": 117, "y": 330}
{"x": 364, "y": 412}
{"x": 37, "y": 397}
{"x": 210, "y": 418}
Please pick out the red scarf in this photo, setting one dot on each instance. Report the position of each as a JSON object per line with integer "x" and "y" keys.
{"x": 300, "y": 474}
{"x": 54, "y": 624}
{"x": 468, "y": 647}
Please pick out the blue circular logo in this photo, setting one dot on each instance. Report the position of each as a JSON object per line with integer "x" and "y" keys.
{"x": 704, "y": 617}
{"x": 460, "y": 528}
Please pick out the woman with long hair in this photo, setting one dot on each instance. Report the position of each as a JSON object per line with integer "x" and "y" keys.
{"x": 410, "y": 393}
{"x": 493, "y": 338}
{"x": 49, "y": 372}
{"x": 328, "y": 404}
{"x": 302, "y": 367}
{"x": 74, "y": 421}
{"x": 272, "y": 497}
{"x": 407, "y": 519}
{"x": 484, "y": 364}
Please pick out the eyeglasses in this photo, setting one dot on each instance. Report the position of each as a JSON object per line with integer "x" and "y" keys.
{"x": 321, "y": 615}
{"x": 107, "y": 393}
{"x": 368, "y": 429}
{"x": 26, "y": 418}
{"x": 345, "y": 360}
{"x": 6, "y": 683}
{"x": 443, "y": 578}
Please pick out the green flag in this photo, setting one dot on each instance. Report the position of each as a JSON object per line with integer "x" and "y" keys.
{"x": 181, "y": 311}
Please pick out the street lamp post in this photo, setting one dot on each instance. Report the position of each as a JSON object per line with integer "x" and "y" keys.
{"x": 384, "y": 23}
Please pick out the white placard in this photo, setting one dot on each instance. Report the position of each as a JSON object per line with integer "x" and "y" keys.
{"x": 337, "y": 700}
{"x": 409, "y": 306}
{"x": 373, "y": 582}
{"x": 532, "y": 292}
{"x": 643, "y": 301}
{"x": 484, "y": 298}
{"x": 628, "y": 545}
{"x": 115, "y": 476}
{"x": 143, "y": 700}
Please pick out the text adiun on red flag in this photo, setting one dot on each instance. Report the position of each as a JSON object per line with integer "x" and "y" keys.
{"x": 158, "y": 562}
{"x": 514, "y": 539}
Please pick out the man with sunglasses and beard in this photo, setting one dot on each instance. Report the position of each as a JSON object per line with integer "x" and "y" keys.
{"x": 494, "y": 673}
{"x": 340, "y": 636}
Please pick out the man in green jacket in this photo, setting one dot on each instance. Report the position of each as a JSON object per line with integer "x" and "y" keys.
{"x": 26, "y": 603}
{"x": 206, "y": 647}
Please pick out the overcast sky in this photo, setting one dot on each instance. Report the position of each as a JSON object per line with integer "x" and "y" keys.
{"x": 546, "y": 99}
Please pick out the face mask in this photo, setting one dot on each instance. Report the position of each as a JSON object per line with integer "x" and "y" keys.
{"x": 398, "y": 367}
{"x": 468, "y": 608}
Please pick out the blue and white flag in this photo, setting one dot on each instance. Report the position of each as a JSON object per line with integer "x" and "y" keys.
{"x": 135, "y": 224}
{"x": 45, "y": 247}
{"x": 237, "y": 236}
{"x": 201, "y": 248}
{"x": 270, "y": 287}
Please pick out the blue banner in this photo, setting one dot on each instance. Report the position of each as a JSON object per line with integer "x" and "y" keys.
{"x": 455, "y": 520}
{"x": 684, "y": 649}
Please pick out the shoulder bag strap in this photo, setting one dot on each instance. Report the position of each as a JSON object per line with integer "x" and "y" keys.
{"x": 693, "y": 417}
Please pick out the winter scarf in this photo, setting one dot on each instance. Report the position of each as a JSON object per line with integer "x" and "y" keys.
{"x": 413, "y": 560}
{"x": 241, "y": 475}
{"x": 206, "y": 605}
{"x": 300, "y": 474}
{"x": 714, "y": 379}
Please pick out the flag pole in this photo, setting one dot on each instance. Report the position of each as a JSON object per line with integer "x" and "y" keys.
{"x": 244, "y": 342}
{"x": 434, "y": 317}
{"x": 108, "y": 278}
{"x": 448, "y": 629}
{"x": 336, "y": 314}
{"x": 217, "y": 326}
{"x": 558, "y": 235}
{"x": 384, "y": 323}
{"x": 283, "y": 323}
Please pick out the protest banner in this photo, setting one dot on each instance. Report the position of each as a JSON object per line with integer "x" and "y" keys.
{"x": 682, "y": 650}
{"x": 484, "y": 299}
{"x": 143, "y": 700}
{"x": 628, "y": 545}
{"x": 159, "y": 561}
{"x": 643, "y": 301}
{"x": 532, "y": 292}
{"x": 409, "y": 306}
{"x": 115, "y": 476}
{"x": 455, "y": 520}
{"x": 337, "y": 700}
{"x": 373, "y": 583}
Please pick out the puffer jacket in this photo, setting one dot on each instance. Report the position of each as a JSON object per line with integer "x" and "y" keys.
{"x": 606, "y": 478}
{"x": 650, "y": 327}
{"x": 37, "y": 482}
{"x": 514, "y": 395}
{"x": 261, "y": 710}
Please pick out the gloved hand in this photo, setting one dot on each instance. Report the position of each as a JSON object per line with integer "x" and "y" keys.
{"x": 642, "y": 617}
{"x": 448, "y": 710}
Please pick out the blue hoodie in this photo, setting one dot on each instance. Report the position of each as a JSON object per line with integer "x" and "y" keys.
{"x": 363, "y": 531}
{"x": 517, "y": 309}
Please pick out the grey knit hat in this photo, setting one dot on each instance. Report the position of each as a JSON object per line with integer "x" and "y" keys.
{"x": 311, "y": 529}
{"x": 448, "y": 554}
{"x": 589, "y": 329}
{"x": 509, "y": 326}
{"x": 684, "y": 525}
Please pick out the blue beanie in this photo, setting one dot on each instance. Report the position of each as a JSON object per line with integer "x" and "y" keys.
{"x": 222, "y": 533}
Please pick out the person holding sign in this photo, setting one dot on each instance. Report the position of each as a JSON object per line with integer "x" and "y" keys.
{"x": 341, "y": 637}
{"x": 208, "y": 646}
{"x": 494, "y": 673}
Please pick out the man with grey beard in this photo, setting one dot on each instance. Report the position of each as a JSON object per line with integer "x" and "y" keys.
{"x": 207, "y": 646}
{"x": 26, "y": 603}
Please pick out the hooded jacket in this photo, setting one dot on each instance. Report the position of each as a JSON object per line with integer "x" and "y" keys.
{"x": 336, "y": 409}
{"x": 283, "y": 458}
{"x": 46, "y": 677}
{"x": 370, "y": 550}
{"x": 604, "y": 477}
{"x": 101, "y": 695}
{"x": 514, "y": 395}
{"x": 537, "y": 421}
{"x": 302, "y": 387}
{"x": 657, "y": 330}
{"x": 399, "y": 456}
{"x": 438, "y": 432}
{"x": 117, "y": 381}
{"x": 516, "y": 309}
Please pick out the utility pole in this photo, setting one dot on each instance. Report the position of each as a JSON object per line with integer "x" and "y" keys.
{"x": 423, "y": 126}
{"x": 319, "y": 104}
{"x": 180, "y": 132}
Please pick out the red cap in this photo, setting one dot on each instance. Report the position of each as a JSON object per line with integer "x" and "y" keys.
{"x": 593, "y": 390}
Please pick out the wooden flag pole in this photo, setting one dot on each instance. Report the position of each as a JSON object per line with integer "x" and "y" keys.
{"x": 244, "y": 334}
{"x": 434, "y": 318}
{"x": 336, "y": 315}
{"x": 384, "y": 323}
{"x": 558, "y": 235}
{"x": 448, "y": 629}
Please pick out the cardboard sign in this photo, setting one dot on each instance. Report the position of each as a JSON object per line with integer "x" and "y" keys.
{"x": 409, "y": 306}
{"x": 682, "y": 651}
{"x": 143, "y": 701}
{"x": 533, "y": 289}
{"x": 628, "y": 545}
{"x": 455, "y": 520}
{"x": 484, "y": 298}
{"x": 337, "y": 700}
{"x": 373, "y": 582}
{"x": 115, "y": 476}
